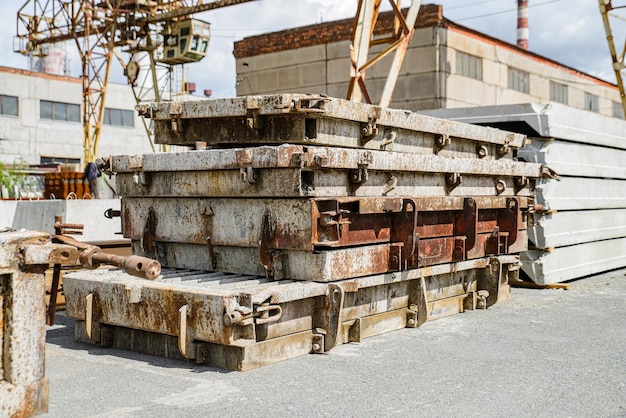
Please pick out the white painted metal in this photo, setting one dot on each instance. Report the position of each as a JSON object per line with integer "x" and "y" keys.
{"x": 585, "y": 220}
{"x": 579, "y": 193}
{"x": 574, "y": 159}
{"x": 38, "y": 215}
{"x": 551, "y": 120}
{"x": 575, "y": 261}
{"x": 576, "y": 227}
{"x": 329, "y": 110}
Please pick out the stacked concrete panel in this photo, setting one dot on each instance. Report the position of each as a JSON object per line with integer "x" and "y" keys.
{"x": 299, "y": 222}
{"x": 582, "y": 227}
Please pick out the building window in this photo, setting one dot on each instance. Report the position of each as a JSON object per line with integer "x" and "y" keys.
{"x": 8, "y": 105}
{"x": 59, "y": 111}
{"x": 591, "y": 102}
{"x": 519, "y": 80}
{"x": 469, "y": 66}
{"x": 119, "y": 117}
{"x": 58, "y": 160}
{"x": 558, "y": 92}
{"x": 618, "y": 110}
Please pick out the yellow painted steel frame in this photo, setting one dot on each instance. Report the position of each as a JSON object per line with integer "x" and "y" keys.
{"x": 363, "y": 39}
{"x": 618, "y": 61}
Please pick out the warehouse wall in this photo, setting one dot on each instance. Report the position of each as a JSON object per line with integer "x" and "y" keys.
{"x": 315, "y": 59}
{"x": 29, "y": 137}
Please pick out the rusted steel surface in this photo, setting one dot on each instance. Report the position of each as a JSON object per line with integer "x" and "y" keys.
{"x": 312, "y": 183}
{"x": 293, "y": 170}
{"x": 324, "y": 239}
{"x": 23, "y": 385}
{"x": 298, "y": 156}
{"x": 242, "y": 322}
{"x": 308, "y": 119}
{"x": 91, "y": 256}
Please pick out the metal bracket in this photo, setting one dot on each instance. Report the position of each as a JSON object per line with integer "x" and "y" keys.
{"x": 503, "y": 150}
{"x": 482, "y": 151}
{"x": 520, "y": 183}
{"x": 404, "y": 231}
{"x": 418, "y": 303}
{"x": 185, "y": 338}
{"x": 388, "y": 141}
{"x": 89, "y": 316}
{"x": 500, "y": 186}
{"x": 333, "y": 305}
{"x": 441, "y": 142}
{"x": 359, "y": 175}
{"x": 211, "y": 253}
{"x": 176, "y": 121}
{"x": 261, "y": 314}
{"x": 369, "y": 130}
{"x": 489, "y": 281}
{"x": 390, "y": 184}
{"x": 141, "y": 178}
{"x": 111, "y": 213}
{"x": 317, "y": 341}
{"x": 453, "y": 180}
{"x": 248, "y": 175}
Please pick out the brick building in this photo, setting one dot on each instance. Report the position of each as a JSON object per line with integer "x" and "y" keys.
{"x": 447, "y": 66}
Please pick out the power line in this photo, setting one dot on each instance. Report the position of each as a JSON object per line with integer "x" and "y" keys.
{"x": 471, "y": 4}
{"x": 505, "y": 11}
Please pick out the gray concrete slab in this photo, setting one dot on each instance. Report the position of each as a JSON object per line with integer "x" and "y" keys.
{"x": 544, "y": 353}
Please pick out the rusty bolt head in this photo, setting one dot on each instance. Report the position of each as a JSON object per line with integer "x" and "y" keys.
{"x": 316, "y": 347}
{"x": 482, "y": 151}
{"x": 411, "y": 322}
{"x": 500, "y": 186}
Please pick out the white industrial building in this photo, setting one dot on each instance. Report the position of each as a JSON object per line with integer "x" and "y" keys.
{"x": 447, "y": 65}
{"x": 41, "y": 119}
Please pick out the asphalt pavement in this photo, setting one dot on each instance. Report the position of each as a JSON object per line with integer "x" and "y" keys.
{"x": 543, "y": 353}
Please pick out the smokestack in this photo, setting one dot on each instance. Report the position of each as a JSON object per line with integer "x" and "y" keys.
{"x": 522, "y": 23}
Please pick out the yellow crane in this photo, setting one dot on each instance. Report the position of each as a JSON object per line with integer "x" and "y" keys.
{"x": 167, "y": 33}
{"x": 609, "y": 11}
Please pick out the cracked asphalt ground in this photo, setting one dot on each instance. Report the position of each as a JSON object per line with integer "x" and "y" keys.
{"x": 543, "y": 353}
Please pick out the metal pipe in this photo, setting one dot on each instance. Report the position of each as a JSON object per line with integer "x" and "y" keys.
{"x": 522, "y": 23}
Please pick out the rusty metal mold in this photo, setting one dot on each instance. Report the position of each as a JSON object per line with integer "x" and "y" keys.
{"x": 241, "y": 322}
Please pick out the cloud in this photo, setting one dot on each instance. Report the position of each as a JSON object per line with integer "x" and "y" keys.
{"x": 567, "y": 31}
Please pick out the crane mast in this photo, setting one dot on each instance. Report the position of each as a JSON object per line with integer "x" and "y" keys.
{"x": 609, "y": 10}
{"x": 98, "y": 28}
{"x": 166, "y": 27}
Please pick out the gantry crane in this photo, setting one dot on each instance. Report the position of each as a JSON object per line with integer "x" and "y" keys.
{"x": 163, "y": 29}
{"x": 609, "y": 12}
{"x": 165, "y": 32}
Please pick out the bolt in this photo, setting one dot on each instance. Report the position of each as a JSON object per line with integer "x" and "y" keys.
{"x": 500, "y": 186}
{"x": 482, "y": 151}
{"x": 316, "y": 347}
{"x": 411, "y": 322}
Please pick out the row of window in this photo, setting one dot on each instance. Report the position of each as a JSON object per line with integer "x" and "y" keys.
{"x": 519, "y": 80}
{"x": 67, "y": 112}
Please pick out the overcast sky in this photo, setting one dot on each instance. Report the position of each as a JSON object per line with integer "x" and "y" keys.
{"x": 567, "y": 31}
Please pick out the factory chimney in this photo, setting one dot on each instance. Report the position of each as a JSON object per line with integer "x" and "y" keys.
{"x": 522, "y": 23}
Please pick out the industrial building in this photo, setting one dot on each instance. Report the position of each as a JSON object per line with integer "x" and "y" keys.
{"x": 447, "y": 65}
{"x": 41, "y": 119}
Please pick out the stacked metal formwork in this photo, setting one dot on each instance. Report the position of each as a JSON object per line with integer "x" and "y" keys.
{"x": 301, "y": 222}
{"x": 581, "y": 229}
{"x": 24, "y": 257}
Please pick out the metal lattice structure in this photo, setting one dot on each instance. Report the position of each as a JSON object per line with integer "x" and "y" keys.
{"x": 363, "y": 39}
{"x": 610, "y": 11}
{"x": 99, "y": 29}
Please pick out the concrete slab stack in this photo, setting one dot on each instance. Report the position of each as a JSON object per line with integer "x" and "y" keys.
{"x": 582, "y": 227}
{"x": 300, "y": 222}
